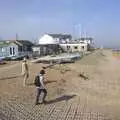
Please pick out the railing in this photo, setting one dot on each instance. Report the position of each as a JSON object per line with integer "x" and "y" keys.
{"x": 24, "y": 53}
{"x": 19, "y": 54}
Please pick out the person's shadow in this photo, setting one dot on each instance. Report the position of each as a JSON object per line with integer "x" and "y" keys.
{"x": 61, "y": 98}
{"x": 12, "y": 77}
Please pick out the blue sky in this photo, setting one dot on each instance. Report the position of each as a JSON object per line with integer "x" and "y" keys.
{"x": 32, "y": 18}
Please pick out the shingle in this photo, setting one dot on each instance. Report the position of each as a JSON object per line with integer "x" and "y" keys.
{"x": 25, "y": 42}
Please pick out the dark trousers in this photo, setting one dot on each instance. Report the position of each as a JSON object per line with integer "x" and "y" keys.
{"x": 39, "y": 91}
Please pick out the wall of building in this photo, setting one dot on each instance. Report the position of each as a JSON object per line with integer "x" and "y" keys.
{"x": 42, "y": 50}
{"x": 74, "y": 47}
{"x": 36, "y": 50}
{"x": 39, "y": 50}
{"x": 9, "y": 50}
{"x": 4, "y": 51}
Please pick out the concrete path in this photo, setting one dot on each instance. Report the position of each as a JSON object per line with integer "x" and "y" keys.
{"x": 73, "y": 109}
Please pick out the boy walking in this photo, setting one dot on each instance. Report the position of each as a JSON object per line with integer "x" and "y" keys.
{"x": 39, "y": 83}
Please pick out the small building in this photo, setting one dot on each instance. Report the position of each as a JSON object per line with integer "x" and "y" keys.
{"x": 86, "y": 40}
{"x": 12, "y": 48}
{"x": 78, "y": 45}
{"x": 75, "y": 47}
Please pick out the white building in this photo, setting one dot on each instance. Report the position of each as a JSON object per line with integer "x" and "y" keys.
{"x": 54, "y": 39}
{"x": 49, "y": 44}
{"x": 79, "y": 45}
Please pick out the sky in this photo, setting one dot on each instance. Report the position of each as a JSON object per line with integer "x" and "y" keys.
{"x": 30, "y": 19}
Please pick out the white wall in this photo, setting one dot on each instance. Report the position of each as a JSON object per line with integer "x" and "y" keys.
{"x": 79, "y": 47}
{"x": 36, "y": 50}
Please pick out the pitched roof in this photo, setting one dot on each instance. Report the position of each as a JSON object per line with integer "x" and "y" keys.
{"x": 61, "y": 36}
{"x": 24, "y": 42}
{"x": 18, "y": 42}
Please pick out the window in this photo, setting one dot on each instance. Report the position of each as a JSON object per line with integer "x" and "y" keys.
{"x": 20, "y": 49}
{"x": 76, "y": 47}
{"x": 3, "y": 49}
{"x": 68, "y": 47}
{"x": 82, "y": 47}
{"x": 10, "y": 51}
{"x": 13, "y": 51}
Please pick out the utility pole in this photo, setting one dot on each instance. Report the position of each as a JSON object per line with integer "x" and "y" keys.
{"x": 17, "y": 36}
{"x": 79, "y": 31}
{"x": 74, "y": 31}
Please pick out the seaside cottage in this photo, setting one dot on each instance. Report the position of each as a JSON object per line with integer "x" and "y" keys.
{"x": 79, "y": 45}
{"x": 15, "y": 48}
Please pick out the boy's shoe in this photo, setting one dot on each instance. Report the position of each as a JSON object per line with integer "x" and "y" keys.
{"x": 44, "y": 102}
{"x": 37, "y": 103}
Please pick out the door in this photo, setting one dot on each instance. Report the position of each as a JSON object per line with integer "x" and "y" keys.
{"x": 12, "y": 51}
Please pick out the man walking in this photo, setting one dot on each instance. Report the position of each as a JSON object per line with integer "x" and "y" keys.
{"x": 25, "y": 72}
{"x": 39, "y": 82}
